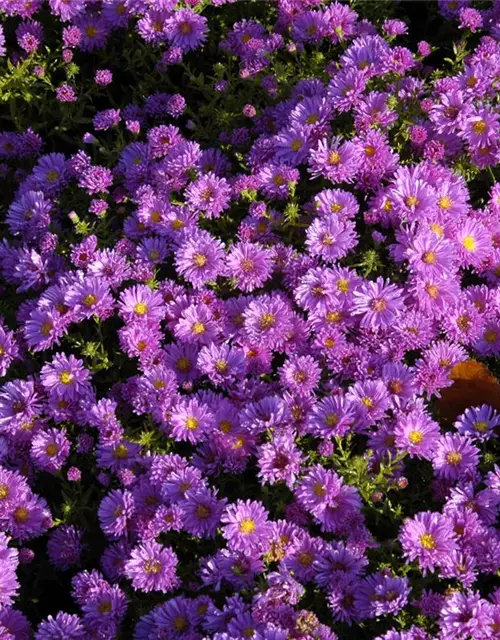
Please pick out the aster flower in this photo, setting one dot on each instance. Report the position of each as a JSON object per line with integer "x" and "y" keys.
{"x": 142, "y": 304}
{"x": 427, "y": 538}
{"x": 152, "y": 567}
{"x": 455, "y": 457}
{"x": 196, "y": 325}
{"x": 66, "y": 378}
{"x": 202, "y": 512}
{"x": 200, "y": 259}
{"x": 331, "y": 416}
{"x": 337, "y": 160}
{"x": 209, "y": 194}
{"x": 473, "y": 243}
{"x": 9, "y": 560}
{"x": 115, "y": 513}
{"x": 250, "y": 264}
{"x": 279, "y": 461}
{"x": 417, "y": 433}
{"x": 479, "y": 423}
{"x": 222, "y": 364}
{"x": 330, "y": 238}
{"x": 63, "y": 625}
{"x": 300, "y": 374}
{"x": 380, "y": 594}
{"x": 378, "y": 302}
{"x": 463, "y": 616}
{"x": 51, "y": 173}
{"x": 89, "y": 297}
{"x": 64, "y": 547}
{"x": 19, "y": 404}
{"x": 245, "y": 526}
{"x": 267, "y": 320}
{"x": 50, "y": 449}
{"x": 186, "y": 29}
{"x": 191, "y": 421}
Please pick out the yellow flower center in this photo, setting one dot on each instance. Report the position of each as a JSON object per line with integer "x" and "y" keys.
{"x": 334, "y": 158}
{"x": 469, "y": 243}
{"x": 267, "y": 321}
{"x": 319, "y": 490}
{"x": 379, "y": 305}
{"x": 52, "y": 176}
{"x": 490, "y": 336}
{"x": 183, "y": 365}
{"x": 370, "y": 151}
{"x": 247, "y": 526}
{"x": 334, "y": 316}
{"x": 185, "y": 28}
{"x": 181, "y": 623}
{"x": 152, "y": 566}
{"x": 202, "y": 511}
{"x": 46, "y": 328}
{"x": 120, "y": 452}
{"x": 332, "y": 419}
{"x": 305, "y": 559}
{"x": 453, "y": 458}
{"x": 192, "y": 423}
{"x": 296, "y": 145}
{"x": 437, "y": 229}
{"x": 21, "y": 514}
{"x": 479, "y": 127}
{"x": 66, "y": 377}
{"x": 247, "y": 265}
{"x": 481, "y": 426}
{"x": 51, "y": 449}
{"x": 4, "y": 491}
{"x": 445, "y": 202}
{"x": 200, "y": 260}
{"x": 105, "y": 607}
{"x": 141, "y": 308}
{"x": 225, "y": 426}
{"x": 432, "y": 290}
{"x": 427, "y": 541}
{"x": 198, "y": 328}
{"x": 429, "y": 257}
{"x": 90, "y": 299}
{"x": 412, "y": 201}
{"x": 367, "y": 402}
{"x": 415, "y": 437}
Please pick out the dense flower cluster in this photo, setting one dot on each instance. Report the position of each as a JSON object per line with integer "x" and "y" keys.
{"x": 230, "y": 307}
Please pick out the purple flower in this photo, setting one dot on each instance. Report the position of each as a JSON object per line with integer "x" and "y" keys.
{"x": 427, "y": 538}
{"x": 115, "y": 513}
{"x": 300, "y": 374}
{"x": 250, "y": 264}
{"x": 50, "y": 449}
{"x": 9, "y": 561}
{"x": 152, "y": 567}
{"x": 140, "y": 303}
{"x": 378, "y": 302}
{"x": 209, "y": 194}
{"x": 479, "y": 423}
{"x": 63, "y": 625}
{"x": 64, "y": 547}
{"x": 330, "y": 238}
{"x": 186, "y": 29}
{"x": 66, "y": 378}
{"x": 246, "y": 527}
{"x": 191, "y": 421}
{"x": 200, "y": 259}
{"x": 455, "y": 457}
